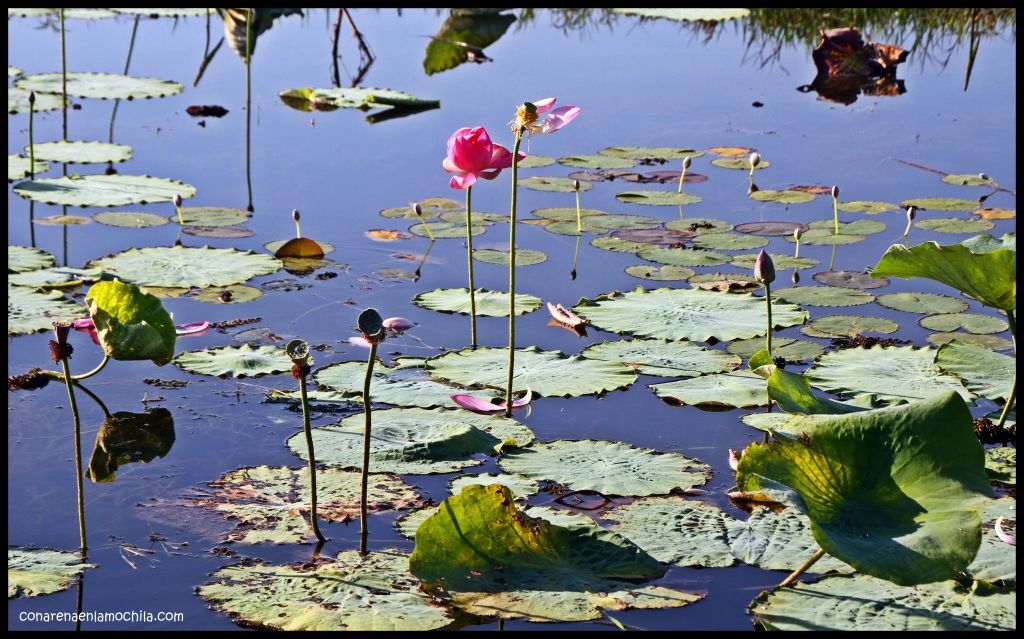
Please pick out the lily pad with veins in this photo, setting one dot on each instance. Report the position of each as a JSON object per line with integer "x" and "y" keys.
{"x": 184, "y": 267}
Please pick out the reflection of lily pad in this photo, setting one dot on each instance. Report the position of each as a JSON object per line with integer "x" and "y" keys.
{"x": 691, "y": 314}
{"x": 180, "y": 266}
{"x": 653, "y": 197}
{"x": 824, "y": 296}
{"x": 848, "y": 326}
{"x": 930, "y": 303}
{"x": 79, "y": 152}
{"x": 103, "y": 190}
{"x": 235, "y": 361}
{"x": 789, "y": 349}
{"x": 559, "y": 184}
{"x": 30, "y": 310}
{"x": 130, "y": 219}
{"x": 546, "y": 373}
{"x": 941, "y": 203}
{"x": 663, "y": 273}
{"x": 666, "y": 359}
{"x": 970, "y": 322}
{"x": 23, "y": 258}
{"x": 489, "y": 303}
{"x": 738, "y": 389}
{"x": 105, "y": 86}
{"x": 954, "y": 225}
{"x": 40, "y": 571}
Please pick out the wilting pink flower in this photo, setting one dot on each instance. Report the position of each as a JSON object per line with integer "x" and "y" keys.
{"x": 478, "y": 405}
{"x": 764, "y": 268}
{"x": 360, "y": 341}
{"x": 398, "y": 324}
{"x": 471, "y": 155}
{"x": 556, "y": 118}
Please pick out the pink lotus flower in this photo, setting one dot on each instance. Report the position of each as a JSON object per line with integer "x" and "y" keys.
{"x": 555, "y": 119}
{"x": 471, "y": 155}
{"x": 478, "y": 405}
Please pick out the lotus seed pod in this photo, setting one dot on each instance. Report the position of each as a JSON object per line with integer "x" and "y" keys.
{"x": 764, "y": 269}
{"x": 911, "y": 213}
{"x": 796, "y": 277}
{"x": 984, "y": 176}
{"x": 298, "y": 351}
{"x": 417, "y": 209}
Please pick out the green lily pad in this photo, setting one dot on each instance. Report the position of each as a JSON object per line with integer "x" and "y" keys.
{"x": 23, "y": 258}
{"x": 551, "y": 183}
{"x": 103, "y": 190}
{"x": 17, "y": 101}
{"x": 739, "y": 164}
{"x": 351, "y": 592}
{"x": 851, "y": 279}
{"x": 80, "y": 152}
{"x": 210, "y": 216}
{"x": 665, "y": 359}
{"x": 234, "y": 294}
{"x": 890, "y": 374}
{"x": 970, "y": 322}
{"x": 308, "y": 99}
{"x": 477, "y": 217}
{"x": 13, "y": 71}
{"x": 30, "y": 310}
{"x": 166, "y": 13}
{"x": 1001, "y": 465}
{"x": 793, "y": 393}
{"x": 407, "y": 525}
{"x": 617, "y": 245}
{"x": 996, "y": 561}
{"x": 766, "y": 421}
{"x": 691, "y": 314}
{"x": 131, "y": 324}
{"x": 524, "y": 257}
{"x": 967, "y": 179}
{"x": 991, "y": 342}
{"x": 954, "y": 225}
{"x": 413, "y": 441}
{"x": 610, "y": 468}
{"x": 848, "y": 326}
{"x": 870, "y": 207}
{"x": 729, "y": 241}
{"x": 55, "y": 277}
{"x": 688, "y": 15}
{"x": 823, "y": 296}
{"x": 620, "y": 222}
{"x": 32, "y": 572}
{"x": 533, "y": 161}
{"x": 791, "y": 350}
{"x": 183, "y": 267}
{"x": 699, "y": 225}
{"x": 520, "y": 487}
{"x": 781, "y": 261}
{"x": 445, "y": 230}
{"x": 738, "y": 389}
{"x": 782, "y": 197}
{"x": 546, "y": 373}
{"x": 983, "y": 372}
{"x": 271, "y": 504}
{"x": 941, "y": 204}
{"x": 770, "y": 229}
{"x": 653, "y": 197}
{"x": 651, "y": 153}
{"x": 235, "y": 361}
{"x": 130, "y": 219}
{"x": 893, "y": 491}
{"x": 565, "y": 213}
{"x": 430, "y": 207}
{"x": 488, "y": 303}
{"x": 105, "y": 86}
{"x": 488, "y": 558}
{"x": 664, "y": 273}
{"x": 684, "y": 256}
{"x": 18, "y": 167}
{"x": 914, "y": 302}
{"x": 596, "y": 162}
{"x": 825, "y": 605}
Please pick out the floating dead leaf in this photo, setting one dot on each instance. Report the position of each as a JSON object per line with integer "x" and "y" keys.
{"x": 387, "y": 235}
{"x": 653, "y": 236}
{"x": 995, "y": 214}
{"x": 731, "y": 151}
{"x": 588, "y": 176}
{"x": 206, "y": 111}
{"x": 813, "y": 189}
{"x": 299, "y": 247}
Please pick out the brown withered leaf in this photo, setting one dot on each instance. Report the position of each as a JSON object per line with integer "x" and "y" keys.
{"x": 725, "y": 285}
{"x": 847, "y": 67}
{"x": 299, "y": 247}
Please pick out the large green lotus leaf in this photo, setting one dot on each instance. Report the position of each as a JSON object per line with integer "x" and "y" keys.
{"x": 130, "y": 219}
{"x": 990, "y": 278}
{"x": 546, "y": 373}
{"x": 687, "y": 15}
{"x": 235, "y": 361}
{"x": 782, "y": 262}
{"x": 551, "y": 183}
{"x": 413, "y": 441}
{"x": 693, "y": 314}
{"x": 684, "y": 256}
{"x": 1001, "y": 464}
{"x": 782, "y": 197}
{"x": 184, "y": 267}
{"x": 40, "y": 571}
{"x": 55, "y": 277}
{"x": 791, "y": 350}
{"x": 18, "y": 167}
{"x": 105, "y": 86}
{"x": 306, "y": 99}
{"x": 914, "y": 302}
{"x": 663, "y": 273}
{"x": 491, "y": 559}
{"x": 80, "y": 152}
{"x": 983, "y": 372}
{"x": 489, "y": 303}
{"x": 794, "y": 394}
{"x": 17, "y": 101}
{"x": 823, "y": 296}
{"x": 729, "y": 241}
{"x": 408, "y": 524}
{"x": 351, "y": 592}
{"x": 271, "y": 504}
{"x": 125, "y": 438}
{"x": 103, "y": 190}
{"x": 990, "y": 342}
{"x": 30, "y": 310}
{"x": 596, "y": 162}
{"x": 970, "y": 322}
{"x": 830, "y": 326}
{"x": 862, "y": 603}
{"x": 890, "y": 374}
{"x": 941, "y": 203}
{"x": 666, "y": 359}
{"x": 954, "y": 225}
{"x": 986, "y": 243}
{"x": 658, "y": 198}
{"x": 130, "y": 324}
{"x": 870, "y": 207}
{"x": 524, "y": 257}
{"x": 739, "y": 389}
{"x": 893, "y": 491}
{"x": 610, "y": 468}
{"x": 23, "y": 258}
{"x": 651, "y": 153}
{"x": 565, "y": 214}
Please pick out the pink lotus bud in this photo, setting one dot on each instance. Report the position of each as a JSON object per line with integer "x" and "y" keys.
{"x": 177, "y": 200}
{"x": 764, "y": 269}
{"x": 398, "y": 324}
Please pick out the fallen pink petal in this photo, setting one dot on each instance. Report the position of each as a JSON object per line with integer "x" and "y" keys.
{"x": 360, "y": 341}
{"x": 398, "y": 324}
{"x": 565, "y": 316}
{"x": 734, "y": 459}
{"x": 478, "y": 405}
{"x": 559, "y": 118}
{"x": 192, "y": 328}
{"x": 1010, "y": 538}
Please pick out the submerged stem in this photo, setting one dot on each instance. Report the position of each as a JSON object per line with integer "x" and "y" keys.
{"x": 1013, "y": 387}
{"x": 312, "y": 461}
{"x": 469, "y": 263}
{"x": 78, "y": 452}
{"x": 802, "y": 569}
{"x": 512, "y": 276}
{"x": 363, "y": 531}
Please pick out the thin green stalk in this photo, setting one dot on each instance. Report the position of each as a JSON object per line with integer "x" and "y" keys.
{"x": 312, "y": 462}
{"x": 802, "y": 569}
{"x": 78, "y": 378}
{"x": 251, "y": 15}
{"x": 363, "y": 531}
{"x": 682, "y": 176}
{"x": 512, "y": 276}
{"x": 63, "y": 78}
{"x": 78, "y": 449}
{"x": 579, "y": 217}
{"x": 31, "y": 143}
{"x": 1013, "y": 387}
{"x": 835, "y": 213}
{"x": 768, "y": 305}
{"x": 469, "y": 263}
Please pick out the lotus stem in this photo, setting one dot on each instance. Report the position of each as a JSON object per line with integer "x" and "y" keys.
{"x": 63, "y": 81}
{"x": 575, "y": 255}
{"x": 77, "y": 378}
{"x": 469, "y": 263}
{"x": 418, "y": 210}
{"x": 835, "y": 207}
{"x": 250, "y": 16}
{"x": 423, "y": 260}
{"x": 1013, "y": 387}
{"x": 363, "y": 531}
{"x": 512, "y": 275}
{"x": 682, "y": 174}
{"x": 312, "y": 461}
{"x": 31, "y": 145}
{"x": 802, "y": 569}
{"x": 579, "y": 217}
{"x": 295, "y": 218}
{"x": 78, "y": 445}
{"x": 768, "y": 306}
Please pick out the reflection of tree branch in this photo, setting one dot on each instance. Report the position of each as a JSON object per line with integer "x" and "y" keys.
{"x": 207, "y": 54}
{"x": 117, "y": 103}
{"x": 334, "y": 50}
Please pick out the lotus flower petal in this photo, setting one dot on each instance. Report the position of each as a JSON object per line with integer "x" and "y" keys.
{"x": 544, "y": 105}
{"x": 192, "y": 328}
{"x": 478, "y": 405}
{"x": 398, "y": 324}
{"x": 559, "y": 118}
{"x": 1002, "y": 534}
{"x": 360, "y": 341}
